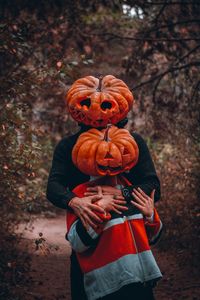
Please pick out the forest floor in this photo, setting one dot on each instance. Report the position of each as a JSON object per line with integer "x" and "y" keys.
{"x": 50, "y": 264}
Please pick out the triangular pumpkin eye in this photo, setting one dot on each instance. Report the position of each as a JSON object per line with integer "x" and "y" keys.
{"x": 108, "y": 156}
{"x": 125, "y": 151}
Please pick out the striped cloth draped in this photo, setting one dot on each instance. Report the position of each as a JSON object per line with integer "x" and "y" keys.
{"x": 118, "y": 252}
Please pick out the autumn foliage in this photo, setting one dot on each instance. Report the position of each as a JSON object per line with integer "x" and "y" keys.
{"x": 45, "y": 47}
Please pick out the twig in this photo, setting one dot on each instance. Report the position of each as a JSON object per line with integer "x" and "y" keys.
{"x": 188, "y": 54}
{"x": 179, "y": 60}
{"x": 155, "y": 89}
{"x": 161, "y": 75}
{"x": 116, "y": 36}
{"x": 160, "y": 12}
{"x": 172, "y": 25}
{"x": 173, "y": 3}
{"x": 195, "y": 90}
{"x": 23, "y": 61}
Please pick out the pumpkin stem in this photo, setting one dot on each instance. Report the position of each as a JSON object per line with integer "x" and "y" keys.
{"x": 100, "y": 83}
{"x": 106, "y": 137}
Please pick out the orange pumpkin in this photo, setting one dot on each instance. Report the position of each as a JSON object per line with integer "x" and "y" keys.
{"x": 107, "y": 152}
{"x": 98, "y": 102}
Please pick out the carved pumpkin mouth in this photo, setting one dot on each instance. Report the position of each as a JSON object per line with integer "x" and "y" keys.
{"x": 108, "y": 168}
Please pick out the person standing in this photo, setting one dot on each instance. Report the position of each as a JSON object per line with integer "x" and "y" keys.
{"x": 64, "y": 176}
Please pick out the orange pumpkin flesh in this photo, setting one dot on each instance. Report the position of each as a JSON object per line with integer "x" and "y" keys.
{"x": 98, "y": 102}
{"x": 107, "y": 152}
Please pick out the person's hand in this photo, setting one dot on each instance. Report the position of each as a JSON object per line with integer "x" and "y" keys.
{"x": 112, "y": 199}
{"x": 143, "y": 202}
{"x": 110, "y": 203}
{"x": 106, "y": 190}
{"x": 85, "y": 209}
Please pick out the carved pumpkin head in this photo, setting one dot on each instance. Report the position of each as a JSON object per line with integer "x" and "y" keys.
{"x": 107, "y": 152}
{"x": 98, "y": 102}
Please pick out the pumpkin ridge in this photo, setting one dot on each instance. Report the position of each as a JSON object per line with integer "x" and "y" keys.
{"x": 110, "y": 89}
{"x": 113, "y": 147}
{"x": 121, "y": 131}
{"x": 129, "y": 145}
{"x": 121, "y": 98}
{"x": 89, "y": 159}
{"x": 96, "y": 156}
{"x": 88, "y": 80}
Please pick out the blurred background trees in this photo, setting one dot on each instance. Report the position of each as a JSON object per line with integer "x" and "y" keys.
{"x": 46, "y": 45}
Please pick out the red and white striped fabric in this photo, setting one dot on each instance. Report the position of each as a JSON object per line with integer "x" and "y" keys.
{"x": 118, "y": 252}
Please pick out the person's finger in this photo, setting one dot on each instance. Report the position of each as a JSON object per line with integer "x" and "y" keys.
{"x": 137, "y": 205}
{"x": 106, "y": 193}
{"x": 92, "y": 189}
{"x": 153, "y": 194}
{"x": 116, "y": 210}
{"x": 99, "y": 190}
{"x": 138, "y": 199}
{"x": 97, "y": 208}
{"x": 143, "y": 193}
{"x": 120, "y": 207}
{"x": 119, "y": 201}
{"x": 89, "y": 213}
{"x": 107, "y": 188}
{"x": 95, "y": 198}
{"x": 118, "y": 197}
{"x": 142, "y": 198}
{"x": 90, "y": 222}
{"x": 90, "y": 194}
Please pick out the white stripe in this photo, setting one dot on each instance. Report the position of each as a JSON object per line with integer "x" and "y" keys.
{"x": 119, "y": 186}
{"x": 92, "y": 233}
{"x": 122, "y": 220}
{"x": 135, "y": 217}
{"x": 157, "y": 234}
{"x": 125, "y": 270}
{"x": 75, "y": 240}
{"x": 114, "y": 222}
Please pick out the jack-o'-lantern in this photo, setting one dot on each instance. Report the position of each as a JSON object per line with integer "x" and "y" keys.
{"x": 107, "y": 152}
{"x": 99, "y": 101}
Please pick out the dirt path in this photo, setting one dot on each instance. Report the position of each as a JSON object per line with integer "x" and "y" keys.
{"x": 50, "y": 265}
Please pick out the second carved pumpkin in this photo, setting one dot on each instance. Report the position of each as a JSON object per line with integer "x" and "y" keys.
{"x": 107, "y": 152}
{"x": 99, "y": 101}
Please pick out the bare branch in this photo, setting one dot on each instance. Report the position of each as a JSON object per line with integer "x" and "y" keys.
{"x": 188, "y": 54}
{"x": 173, "y": 3}
{"x": 156, "y": 89}
{"x": 116, "y": 36}
{"x": 178, "y": 61}
{"x": 196, "y": 89}
{"x": 169, "y": 70}
{"x": 160, "y": 12}
{"x": 173, "y": 25}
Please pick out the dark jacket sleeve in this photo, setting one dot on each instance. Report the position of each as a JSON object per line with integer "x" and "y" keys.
{"x": 57, "y": 191}
{"x": 144, "y": 175}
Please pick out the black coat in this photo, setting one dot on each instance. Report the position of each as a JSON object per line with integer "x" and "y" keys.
{"x": 64, "y": 176}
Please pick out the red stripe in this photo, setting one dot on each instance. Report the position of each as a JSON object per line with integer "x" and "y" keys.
{"x": 153, "y": 228}
{"x": 114, "y": 243}
{"x": 140, "y": 235}
{"x": 70, "y": 219}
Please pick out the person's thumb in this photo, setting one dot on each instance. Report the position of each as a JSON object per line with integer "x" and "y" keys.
{"x": 100, "y": 192}
{"x": 152, "y": 194}
{"x": 96, "y": 198}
